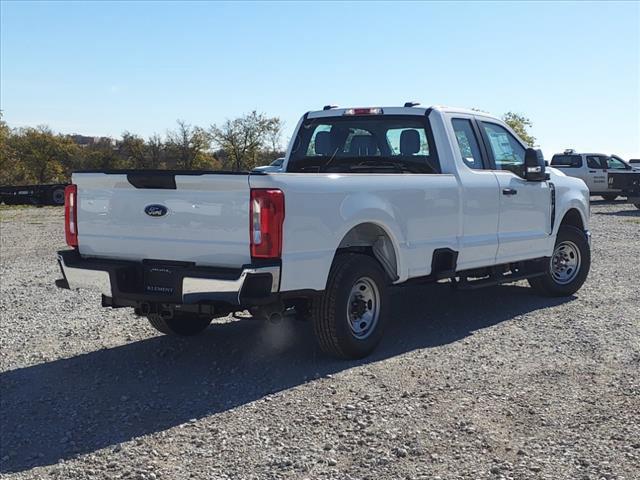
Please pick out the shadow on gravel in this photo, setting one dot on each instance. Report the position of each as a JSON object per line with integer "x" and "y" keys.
{"x": 634, "y": 212}
{"x": 63, "y": 408}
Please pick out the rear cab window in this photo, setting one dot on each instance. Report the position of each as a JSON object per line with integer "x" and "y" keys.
{"x": 364, "y": 144}
{"x": 566, "y": 161}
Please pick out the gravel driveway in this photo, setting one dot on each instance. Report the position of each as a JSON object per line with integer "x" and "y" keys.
{"x": 494, "y": 383}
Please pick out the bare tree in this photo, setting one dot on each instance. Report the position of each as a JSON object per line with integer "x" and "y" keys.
{"x": 274, "y": 136}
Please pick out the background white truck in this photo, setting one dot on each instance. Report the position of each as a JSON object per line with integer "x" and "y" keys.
{"x": 368, "y": 198}
{"x": 608, "y": 176}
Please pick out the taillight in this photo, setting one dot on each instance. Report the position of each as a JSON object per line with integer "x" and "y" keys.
{"x": 267, "y": 216}
{"x": 71, "y": 215}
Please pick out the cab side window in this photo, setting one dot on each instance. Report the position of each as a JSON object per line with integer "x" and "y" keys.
{"x": 507, "y": 152}
{"x": 594, "y": 162}
{"x": 468, "y": 143}
{"x": 566, "y": 161}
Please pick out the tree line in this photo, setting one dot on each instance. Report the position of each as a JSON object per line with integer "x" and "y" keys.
{"x": 35, "y": 155}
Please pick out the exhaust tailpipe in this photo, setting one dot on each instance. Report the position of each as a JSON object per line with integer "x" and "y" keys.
{"x": 272, "y": 313}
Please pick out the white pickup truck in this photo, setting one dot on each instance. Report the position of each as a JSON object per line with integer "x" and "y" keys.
{"x": 368, "y": 198}
{"x": 596, "y": 170}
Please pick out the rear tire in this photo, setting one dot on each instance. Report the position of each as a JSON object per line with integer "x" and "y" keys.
{"x": 610, "y": 197}
{"x": 57, "y": 196}
{"x": 568, "y": 267}
{"x": 637, "y": 205}
{"x": 349, "y": 318}
{"x": 183, "y": 325}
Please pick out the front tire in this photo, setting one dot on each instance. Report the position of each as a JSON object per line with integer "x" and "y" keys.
{"x": 182, "y": 325}
{"x": 568, "y": 267}
{"x": 349, "y": 318}
{"x": 610, "y": 197}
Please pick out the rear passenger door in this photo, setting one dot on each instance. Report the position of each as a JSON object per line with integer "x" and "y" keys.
{"x": 480, "y": 199}
{"x": 596, "y": 173}
{"x": 525, "y": 207}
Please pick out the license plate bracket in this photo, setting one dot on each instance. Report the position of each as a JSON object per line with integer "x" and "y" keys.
{"x": 160, "y": 280}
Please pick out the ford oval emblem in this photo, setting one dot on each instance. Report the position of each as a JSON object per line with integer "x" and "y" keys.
{"x": 156, "y": 210}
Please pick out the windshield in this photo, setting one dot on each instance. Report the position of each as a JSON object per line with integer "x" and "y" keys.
{"x": 361, "y": 144}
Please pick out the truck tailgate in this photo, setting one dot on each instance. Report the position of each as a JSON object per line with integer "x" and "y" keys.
{"x": 204, "y": 219}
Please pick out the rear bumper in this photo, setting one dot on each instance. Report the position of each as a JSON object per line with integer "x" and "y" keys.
{"x": 127, "y": 283}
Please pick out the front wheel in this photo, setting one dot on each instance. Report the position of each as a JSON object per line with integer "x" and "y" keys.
{"x": 181, "y": 324}
{"x": 610, "y": 197}
{"x": 349, "y": 318}
{"x": 568, "y": 267}
{"x": 637, "y": 205}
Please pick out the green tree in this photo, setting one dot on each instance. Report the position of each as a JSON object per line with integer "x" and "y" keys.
{"x": 42, "y": 155}
{"x": 155, "y": 147}
{"x": 244, "y": 138}
{"x": 134, "y": 151}
{"x": 188, "y": 146}
{"x": 10, "y": 169}
{"x": 520, "y": 124}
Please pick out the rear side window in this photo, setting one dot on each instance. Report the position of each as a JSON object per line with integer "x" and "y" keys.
{"x": 468, "y": 143}
{"x": 594, "y": 161}
{"x": 566, "y": 161}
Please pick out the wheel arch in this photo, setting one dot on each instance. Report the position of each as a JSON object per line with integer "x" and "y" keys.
{"x": 573, "y": 217}
{"x": 376, "y": 240}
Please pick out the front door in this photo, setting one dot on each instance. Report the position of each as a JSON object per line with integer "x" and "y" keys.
{"x": 525, "y": 207}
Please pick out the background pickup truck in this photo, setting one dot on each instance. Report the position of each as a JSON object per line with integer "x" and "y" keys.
{"x": 596, "y": 169}
{"x": 367, "y": 198}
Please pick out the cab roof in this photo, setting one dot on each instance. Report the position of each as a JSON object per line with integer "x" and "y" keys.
{"x": 396, "y": 110}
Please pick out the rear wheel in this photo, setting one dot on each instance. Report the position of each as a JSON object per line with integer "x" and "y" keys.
{"x": 349, "y": 318}
{"x": 57, "y": 196}
{"x": 569, "y": 265}
{"x": 182, "y": 324}
{"x": 637, "y": 205}
{"x": 610, "y": 197}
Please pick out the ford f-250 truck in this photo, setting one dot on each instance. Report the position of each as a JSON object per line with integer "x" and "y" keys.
{"x": 367, "y": 198}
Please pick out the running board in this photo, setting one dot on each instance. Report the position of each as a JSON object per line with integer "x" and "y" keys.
{"x": 493, "y": 280}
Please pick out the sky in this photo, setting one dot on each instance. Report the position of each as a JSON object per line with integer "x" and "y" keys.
{"x": 100, "y": 68}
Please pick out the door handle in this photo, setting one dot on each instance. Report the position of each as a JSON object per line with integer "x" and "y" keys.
{"x": 592, "y": 171}
{"x": 509, "y": 191}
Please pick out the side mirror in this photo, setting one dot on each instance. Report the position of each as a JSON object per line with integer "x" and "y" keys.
{"x": 534, "y": 166}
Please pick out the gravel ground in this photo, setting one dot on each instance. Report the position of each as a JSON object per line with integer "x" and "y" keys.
{"x": 496, "y": 383}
